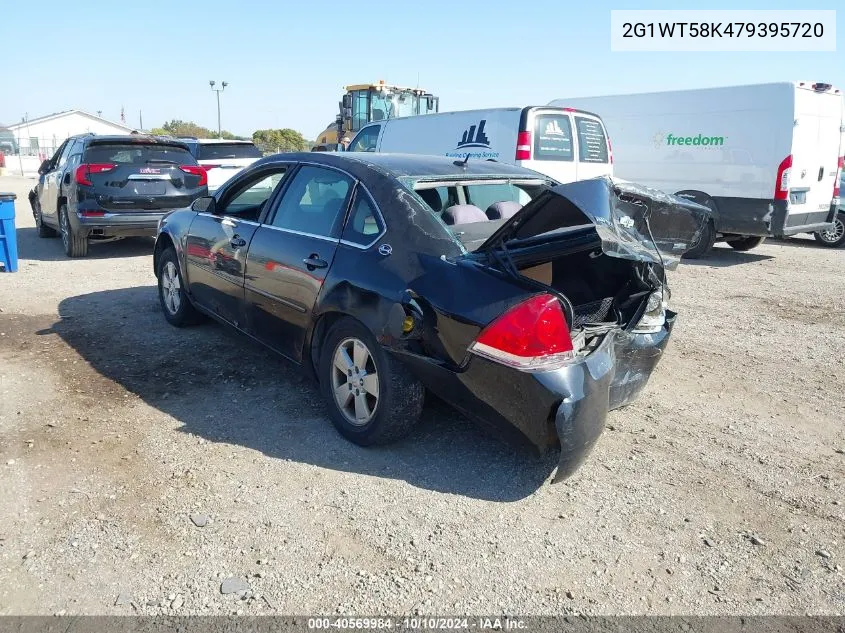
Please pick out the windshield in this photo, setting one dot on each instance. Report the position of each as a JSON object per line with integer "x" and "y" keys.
{"x": 472, "y": 210}
{"x": 214, "y": 151}
{"x": 137, "y": 153}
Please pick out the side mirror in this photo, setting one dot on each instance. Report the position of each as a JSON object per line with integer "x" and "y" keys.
{"x": 347, "y": 101}
{"x": 206, "y": 204}
{"x": 45, "y": 167}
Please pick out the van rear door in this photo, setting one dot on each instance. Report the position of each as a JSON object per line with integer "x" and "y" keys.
{"x": 563, "y": 143}
{"x": 815, "y": 153}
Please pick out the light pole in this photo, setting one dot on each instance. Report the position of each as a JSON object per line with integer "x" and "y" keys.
{"x": 218, "y": 91}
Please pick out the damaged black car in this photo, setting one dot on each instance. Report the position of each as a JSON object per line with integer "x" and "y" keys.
{"x": 531, "y": 306}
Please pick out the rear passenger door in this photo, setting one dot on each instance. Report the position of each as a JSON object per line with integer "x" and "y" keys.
{"x": 291, "y": 254}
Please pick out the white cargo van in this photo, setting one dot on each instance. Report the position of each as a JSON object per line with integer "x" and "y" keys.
{"x": 765, "y": 158}
{"x": 563, "y": 143}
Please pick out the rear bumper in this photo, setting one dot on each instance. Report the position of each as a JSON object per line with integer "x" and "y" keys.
{"x": 568, "y": 406}
{"x": 127, "y": 224}
{"x": 783, "y": 220}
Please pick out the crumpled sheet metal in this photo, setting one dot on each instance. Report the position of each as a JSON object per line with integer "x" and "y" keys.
{"x": 623, "y": 212}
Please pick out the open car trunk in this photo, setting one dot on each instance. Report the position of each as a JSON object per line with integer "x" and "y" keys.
{"x": 603, "y": 244}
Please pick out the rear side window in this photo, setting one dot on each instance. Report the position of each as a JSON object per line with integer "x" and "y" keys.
{"x": 363, "y": 225}
{"x": 215, "y": 151}
{"x": 553, "y": 137}
{"x": 592, "y": 143}
{"x": 137, "y": 153}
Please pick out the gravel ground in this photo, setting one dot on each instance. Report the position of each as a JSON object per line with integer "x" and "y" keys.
{"x": 151, "y": 470}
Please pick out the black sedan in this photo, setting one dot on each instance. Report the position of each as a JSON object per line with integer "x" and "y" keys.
{"x": 530, "y": 306}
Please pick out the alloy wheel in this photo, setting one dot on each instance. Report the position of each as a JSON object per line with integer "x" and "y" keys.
{"x": 65, "y": 229}
{"x": 833, "y": 234}
{"x": 171, "y": 288}
{"x": 355, "y": 381}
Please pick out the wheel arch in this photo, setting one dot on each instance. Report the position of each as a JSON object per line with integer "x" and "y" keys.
{"x": 704, "y": 199}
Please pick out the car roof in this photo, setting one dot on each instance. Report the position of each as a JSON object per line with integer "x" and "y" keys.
{"x": 410, "y": 165}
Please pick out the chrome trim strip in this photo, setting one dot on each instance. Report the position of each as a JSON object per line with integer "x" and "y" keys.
{"x": 302, "y": 233}
{"x": 228, "y": 217}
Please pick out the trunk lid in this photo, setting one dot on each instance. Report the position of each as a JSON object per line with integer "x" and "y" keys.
{"x": 633, "y": 222}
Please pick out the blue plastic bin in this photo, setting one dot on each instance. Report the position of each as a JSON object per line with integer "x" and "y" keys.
{"x": 8, "y": 237}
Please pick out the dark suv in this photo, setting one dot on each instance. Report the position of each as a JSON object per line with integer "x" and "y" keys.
{"x": 110, "y": 187}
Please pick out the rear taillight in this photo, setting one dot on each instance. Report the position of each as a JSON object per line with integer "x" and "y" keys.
{"x": 196, "y": 170}
{"x": 92, "y": 214}
{"x": 531, "y": 336}
{"x": 838, "y": 180}
{"x": 523, "y": 146}
{"x": 782, "y": 182}
{"x": 85, "y": 170}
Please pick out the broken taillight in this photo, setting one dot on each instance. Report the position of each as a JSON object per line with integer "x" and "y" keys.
{"x": 531, "y": 336}
{"x": 838, "y": 181}
{"x": 654, "y": 317}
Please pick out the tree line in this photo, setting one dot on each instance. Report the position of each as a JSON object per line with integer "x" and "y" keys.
{"x": 269, "y": 141}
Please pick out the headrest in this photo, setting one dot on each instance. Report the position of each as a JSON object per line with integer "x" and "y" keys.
{"x": 463, "y": 214}
{"x": 431, "y": 198}
{"x": 503, "y": 210}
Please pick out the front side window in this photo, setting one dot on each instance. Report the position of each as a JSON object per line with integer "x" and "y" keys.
{"x": 314, "y": 202}
{"x": 248, "y": 200}
{"x": 366, "y": 141}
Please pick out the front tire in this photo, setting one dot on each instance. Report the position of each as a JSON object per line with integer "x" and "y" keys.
{"x": 835, "y": 237}
{"x": 372, "y": 398}
{"x": 177, "y": 307}
{"x": 705, "y": 242}
{"x": 75, "y": 245}
{"x": 746, "y": 243}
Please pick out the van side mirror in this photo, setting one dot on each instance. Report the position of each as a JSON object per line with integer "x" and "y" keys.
{"x": 45, "y": 167}
{"x": 206, "y": 204}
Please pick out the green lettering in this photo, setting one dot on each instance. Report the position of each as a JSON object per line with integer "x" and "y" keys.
{"x": 688, "y": 140}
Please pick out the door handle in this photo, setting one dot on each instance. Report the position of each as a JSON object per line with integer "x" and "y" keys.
{"x": 313, "y": 262}
{"x": 237, "y": 241}
{"x": 821, "y": 173}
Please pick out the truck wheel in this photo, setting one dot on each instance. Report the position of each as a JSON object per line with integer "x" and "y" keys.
{"x": 834, "y": 237}
{"x": 75, "y": 245}
{"x": 746, "y": 243}
{"x": 372, "y": 398}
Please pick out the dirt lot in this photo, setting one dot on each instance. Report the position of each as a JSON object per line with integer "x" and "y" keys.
{"x": 719, "y": 491}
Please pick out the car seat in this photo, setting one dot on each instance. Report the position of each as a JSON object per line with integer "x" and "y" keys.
{"x": 503, "y": 210}
{"x": 431, "y": 198}
{"x": 463, "y": 214}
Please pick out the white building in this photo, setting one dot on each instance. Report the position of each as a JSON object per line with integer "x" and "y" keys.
{"x": 40, "y": 137}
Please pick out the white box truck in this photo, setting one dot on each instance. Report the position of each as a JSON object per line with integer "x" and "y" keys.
{"x": 562, "y": 143}
{"x": 765, "y": 158}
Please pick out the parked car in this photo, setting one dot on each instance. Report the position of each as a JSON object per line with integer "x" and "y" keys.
{"x": 563, "y": 143}
{"x": 534, "y": 319}
{"x": 835, "y": 236}
{"x": 763, "y": 157}
{"x": 99, "y": 188}
{"x": 222, "y": 159}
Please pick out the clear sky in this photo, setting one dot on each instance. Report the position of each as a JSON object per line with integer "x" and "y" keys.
{"x": 287, "y": 61}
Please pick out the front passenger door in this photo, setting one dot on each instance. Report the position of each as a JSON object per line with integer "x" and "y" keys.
{"x": 217, "y": 244}
{"x": 291, "y": 254}
{"x": 51, "y": 182}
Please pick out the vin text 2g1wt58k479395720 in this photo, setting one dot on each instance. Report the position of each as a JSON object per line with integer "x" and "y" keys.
{"x": 532, "y": 307}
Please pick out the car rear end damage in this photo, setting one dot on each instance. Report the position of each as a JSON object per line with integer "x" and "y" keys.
{"x": 588, "y": 319}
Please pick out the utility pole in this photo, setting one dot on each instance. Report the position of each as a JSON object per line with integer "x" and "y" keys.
{"x": 218, "y": 91}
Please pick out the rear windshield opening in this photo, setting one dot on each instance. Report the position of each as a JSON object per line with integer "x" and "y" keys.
{"x": 137, "y": 153}
{"x": 592, "y": 142}
{"x": 214, "y": 151}
{"x": 472, "y": 210}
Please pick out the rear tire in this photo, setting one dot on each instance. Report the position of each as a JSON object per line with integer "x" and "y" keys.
{"x": 177, "y": 307}
{"x": 835, "y": 237}
{"x": 746, "y": 243}
{"x": 75, "y": 245}
{"x": 372, "y": 398}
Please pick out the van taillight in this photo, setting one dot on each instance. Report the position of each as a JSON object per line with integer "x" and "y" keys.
{"x": 782, "y": 182}
{"x": 531, "y": 336}
{"x": 86, "y": 169}
{"x": 609, "y": 151}
{"x": 523, "y": 146}
{"x": 836, "y": 182}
